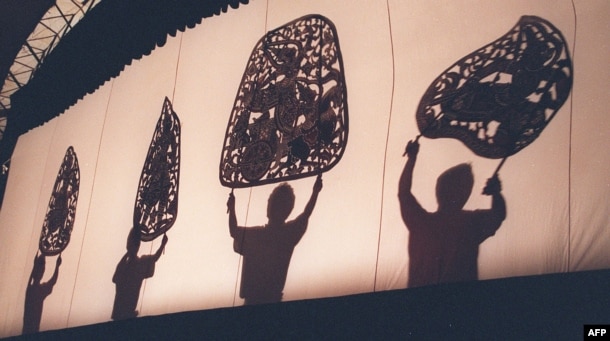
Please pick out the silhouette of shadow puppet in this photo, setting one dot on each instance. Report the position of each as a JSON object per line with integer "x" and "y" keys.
{"x": 498, "y": 99}
{"x": 290, "y": 115}
{"x": 267, "y": 249}
{"x": 444, "y": 245}
{"x": 36, "y": 293}
{"x": 129, "y": 275}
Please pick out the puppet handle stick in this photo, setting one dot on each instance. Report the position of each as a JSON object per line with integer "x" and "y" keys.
{"x": 490, "y": 190}
{"x": 499, "y": 166}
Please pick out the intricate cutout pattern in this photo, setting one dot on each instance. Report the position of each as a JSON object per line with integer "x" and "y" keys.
{"x": 290, "y": 117}
{"x": 61, "y": 212}
{"x": 156, "y": 204}
{"x": 498, "y": 99}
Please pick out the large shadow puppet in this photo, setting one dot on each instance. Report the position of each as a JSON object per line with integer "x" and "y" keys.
{"x": 498, "y": 99}
{"x": 155, "y": 212}
{"x": 289, "y": 121}
{"x": 54, "y": 238}
{"x": 290, "y": 117}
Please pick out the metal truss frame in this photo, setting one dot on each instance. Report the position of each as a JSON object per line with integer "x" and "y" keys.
{"x": 53, "y": 26}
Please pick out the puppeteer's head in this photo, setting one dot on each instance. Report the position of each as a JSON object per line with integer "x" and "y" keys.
{"x": 454, "y": 186}
{"x": 280, "y": 204}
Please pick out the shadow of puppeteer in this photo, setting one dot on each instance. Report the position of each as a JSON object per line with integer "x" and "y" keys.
{"x": 267, "y": 249}
{"x": 444, "y": 245}
{"x": 36, "y": 293}
{"x": 129, "y": 275}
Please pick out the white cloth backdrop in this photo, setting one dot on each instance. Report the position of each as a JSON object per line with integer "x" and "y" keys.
{"x": 556, "y": 189}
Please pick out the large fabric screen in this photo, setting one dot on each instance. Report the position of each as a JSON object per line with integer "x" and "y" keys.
{"x": 346, "y": 232}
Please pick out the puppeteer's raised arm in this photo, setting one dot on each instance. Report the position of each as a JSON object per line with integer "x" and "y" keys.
{"x": 410, "y": 209}
{"x": 53, "y": 279}
{"x": 232, "y": 216}
{"x": 406, "y": 178}
{"x": 317, "y": 187}
{"x": 160, "y": 250}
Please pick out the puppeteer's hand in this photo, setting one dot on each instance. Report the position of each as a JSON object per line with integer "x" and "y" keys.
{"x": 231, "y": 202}
{"x": 317, "y": 186}
{"x": 412, "y": 148}
{"x": 493, "y": 186}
